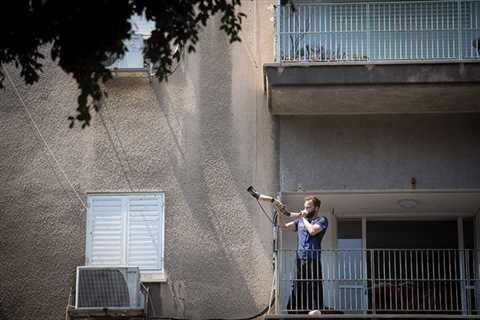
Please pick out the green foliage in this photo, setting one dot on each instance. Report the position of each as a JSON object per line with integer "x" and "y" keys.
{"x": 83, "y": 35}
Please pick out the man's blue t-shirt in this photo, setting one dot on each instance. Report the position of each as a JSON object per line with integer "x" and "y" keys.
{"x": 307, "y": 244}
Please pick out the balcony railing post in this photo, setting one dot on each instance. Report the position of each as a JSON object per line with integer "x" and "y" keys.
{"x": 372, "y": 279}
{"x": 278, "y": 15}
{"x": 368, "y": 31}
{"x": 459, "y": 30}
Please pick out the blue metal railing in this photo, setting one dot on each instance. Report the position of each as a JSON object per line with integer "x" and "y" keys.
{"x": 338, "y": 31}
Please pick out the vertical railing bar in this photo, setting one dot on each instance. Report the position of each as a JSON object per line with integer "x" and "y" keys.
{"x": 377, "y": 31}
{"x": 472, "y": 51}
{"x": 434, "y": 283}
{"x": 459, "y": 32}
{"x": 379, "y": 280}
{"x": 332, "y": 28}
{"x": 422, "y": 32}
{"x": 277, "y": 31}
{"x": 383, "y": 277}
{"x": 448, "y": 5}
{"x": 352, "y": 293}
{"x": 450, "y": 279}
{"x": 467, "y": 280}
{"x": 296, "y": 31}
{"x": 436, "y": 31}
{"x": 302, "y": 277}
{"x": 423, "y": 279}
{"x": 445, "y": 280}
{"x": 389, "y": 279}
{"x": 343, "y": 19}
{"x": 428, "y": 278}
{"x": 398, "y": 279}
{"x": 350, "y": 34}
{"x": 417, "y": 261}
{"x": 411, "y": 280}
{"x": 319, "y": 278}
{"x": 416, "y": 33}
{"x": 384, "y": 32}
{"x": 291, "y": 27}
{"x": 431, "y": 32}
{"x": 372, "y": 263}
{"x": 326, "y": 36}
{"x": 477, "y": 52}
{"x": 458, "y": 280}
{"x": 443, "y": 28}
{"x": 345, "y": 277}
{"x": 395, "y": 278}
{"x": 356, "y": 31}
{"x": 308, "y": 33}
{"x": 304, "y": 33}
{"x": 331, "y": 277}
{"x": 403, "y": 27}
{"x": 288, "y": 26}
{"x": 392, "y": 31}
{"x": 439, "y": 282}
{"x": 338, "y": 276}
{"x": 364, "y": 30}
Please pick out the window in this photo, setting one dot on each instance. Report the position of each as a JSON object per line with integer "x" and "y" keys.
{"x": 127, "y": 229}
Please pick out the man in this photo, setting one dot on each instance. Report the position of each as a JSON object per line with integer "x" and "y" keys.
{"x": 307, "y": 292}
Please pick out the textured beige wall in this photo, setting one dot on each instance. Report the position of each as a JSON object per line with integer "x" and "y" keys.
{"x": 202, "y": 137}
{"x": 380, "y": 151}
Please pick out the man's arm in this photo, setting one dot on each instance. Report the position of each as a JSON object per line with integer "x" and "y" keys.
{"x": 281, "y": 222}
{"x": 312, "y": 228}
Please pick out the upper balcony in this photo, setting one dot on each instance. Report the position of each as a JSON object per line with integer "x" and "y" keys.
{"x": 379, "y": 31}
{"x": 340, "y": 52}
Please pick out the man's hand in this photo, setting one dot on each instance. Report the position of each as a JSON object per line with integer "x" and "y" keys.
{"x": 303, "y": 214}
{"x": 279, "y": 206}
{"x": 281, "y": 210}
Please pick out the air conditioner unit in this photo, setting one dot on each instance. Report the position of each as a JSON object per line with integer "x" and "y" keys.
{"x": 108, "y": 287}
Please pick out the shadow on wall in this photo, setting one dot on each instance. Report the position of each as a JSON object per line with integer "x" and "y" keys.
{"x": 222, "y": 247}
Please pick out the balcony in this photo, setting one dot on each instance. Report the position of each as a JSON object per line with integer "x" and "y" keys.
{"x": 379, "y": 282}
{"x": 363, "y": 57}
{"x": 379, "y": 31}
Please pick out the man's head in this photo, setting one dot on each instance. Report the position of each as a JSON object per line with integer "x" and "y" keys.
{"x": 312, "y": 205}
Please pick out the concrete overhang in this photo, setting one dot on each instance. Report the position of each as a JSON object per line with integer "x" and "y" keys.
{"x": 393, "y": 204}
{"x": 341, "y": 88}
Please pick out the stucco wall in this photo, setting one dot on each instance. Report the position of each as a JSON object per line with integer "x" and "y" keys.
{"x": 379, "y": 151}
{"x": 202, "y": 137}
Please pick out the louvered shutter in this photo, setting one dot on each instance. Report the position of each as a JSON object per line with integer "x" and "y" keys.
{"x": 126, "y": 230}
{"x": 145, "y": 231}
{"x": 105, "y": 231}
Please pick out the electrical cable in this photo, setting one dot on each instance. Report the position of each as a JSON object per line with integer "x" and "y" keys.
{"x": 42, "y": 138}
{"x": 265, "y": 213}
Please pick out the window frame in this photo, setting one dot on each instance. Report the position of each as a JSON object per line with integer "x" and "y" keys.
{"x": 146, "y": 275}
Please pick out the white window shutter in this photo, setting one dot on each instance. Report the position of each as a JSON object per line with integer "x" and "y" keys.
{"x": 145, "y": 231}
{"x": 105, "y": 231}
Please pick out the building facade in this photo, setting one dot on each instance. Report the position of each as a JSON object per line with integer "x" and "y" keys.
{"x": 371, "y": 106}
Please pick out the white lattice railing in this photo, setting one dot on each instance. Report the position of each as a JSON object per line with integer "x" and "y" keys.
{"x": 378, "y": 31}
{"x": 416, "y": 281}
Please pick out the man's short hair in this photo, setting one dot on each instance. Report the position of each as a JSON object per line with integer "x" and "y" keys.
{"x": 315, "y": 200}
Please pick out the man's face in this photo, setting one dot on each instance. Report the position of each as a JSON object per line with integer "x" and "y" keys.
{"x": 310, "y": 208}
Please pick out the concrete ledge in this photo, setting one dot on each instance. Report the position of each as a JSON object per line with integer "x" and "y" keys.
{"x": 368, "y": 73}
{"x": 321, "y": 89}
